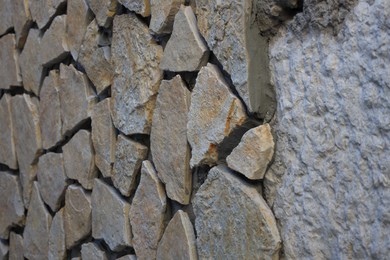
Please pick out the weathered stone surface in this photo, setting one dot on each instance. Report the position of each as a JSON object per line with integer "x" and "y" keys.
{"x": 169, "y": 136}
{"x": 178, "y": 241}
{"x": 163, "y": 14}
{"x": 7, "y": 139}
{"x": 104, "y": 11}
{"x": 103, "y": 137}
{"x": 141, "y": 7}
{"x": 128, "y": 257}
{"x": 22, "y": 21}
{"x": 76, "y": 98}
{"x": 136, "y": 57}
{"x": 43, "y": 10}
{"x": 186, "y": 49}
{"x": 92, "y": 251}
{"x": 15, "y": 246}
{"x": 5, "y": 16}
{"x": 3, "y": 250}
{"x": 57, "y": 249}
{"x": 147, "y": 214}
{"x": 9, "y": 56}
{"x": 52, "y": 180}
{"x": 77, "y": 215}
{"x": 110, "y": 217}
{"x": 128, "y": 162}
{"x": 233, "y": 219}
{"x": 252, "y": 156}
{"x": 79, "y": 159}
{"x": 11, "y": 204}
{"x": 36, "y": 232}
{"x": 235, "y": 40}
{"x": 214, "y": 114}
{"x": 50, "y": 110}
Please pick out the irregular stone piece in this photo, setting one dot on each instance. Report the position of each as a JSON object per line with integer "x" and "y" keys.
{"x": 11, "y": 203}
{"x": 178, "y": 241}
{"x": 104, "y": 11}
{"x": 110, "y": 219}
{"x": 7, "y": 138}
{"x": 214, "y": 114}
{"x": 128, "y": 161}
{"x": 91, "y": 251}
{"x": 141, "y": 7}
{"x": 233, "y": 219}
{"x": 234, "y": 38}
{"x": 163, "y": 14}
{"x": 15, "y": 246}
{"x": 128, "y": 257}
{"x": 76, "y": 98}
{"x": 103, "y": 137}
{"x": 79, "y": 159}
{"x": 77, "y": 215}
{"x": 3, "y": 250}
{"x": 43, "y": 10}
{"x": 52, "y": 179}
{"x": 10, "y": 72}
{"x": 147, "y": 214}
{"x": 186, "y": 49}
{"x": 169, "y": 136}
{"x": 5, "y": 16}
{"x": 57, "y": 249}
{"x": 21, "y": 20}
{"x": 36, "y": 232}
{"x": 136, "y": 57}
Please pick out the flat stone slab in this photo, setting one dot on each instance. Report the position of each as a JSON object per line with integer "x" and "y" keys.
{"x": 104, "y": 11}
{"x": 163, "y": 14}
{"x": 136, "y": 57}
{"x": 168, "y": 141}
{"x": 5, "y": 16}
{"x": 9, "y": 56}
{"x": 57, "y": 248}
{"x": 7, "y": 138}
{"x": 43, "y": 11}
{"x": 233, "y": 219}
{"x": 22, "y": 21}
{"x": 141, "y": 7}
{"x": 15, "y": 246}
{"x": 92, "y": 251}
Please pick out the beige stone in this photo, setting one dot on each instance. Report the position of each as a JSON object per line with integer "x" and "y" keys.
{"x": 163, "y": 14}
{"x": 43, "y": 10}
{"x": 128, "y": 161}
{"x": 147, "y": 213}
{"x": 168, "y": 141}
{"x": 7, "y": 138}
{"x": 77, "y": 215}
{"x": 11, "y": 203}
{"x": 103, "y": 137}
{"x": 136, "y": 57}
{"x": 3, "y": 250}
{"x": 233, "y": 219}
{"x": 96, "y": 60}
{"x": 36, "y": 232}
{"x": 104, "y": 11}
{"x": 21, "y": 20}
{"x": 9, "y": 56}
{"x": 186, "y": 49}
{"x": 5, "y": 16}
{"x": 57, "y": 249}
{"x": 141, "y": 7}
{"x": 15, "y": 246}
{"x": 92, "y": 251}
{"x": 178, "y": 241}
{"x": 110, "y": 217}
{"x": 79, "y": 159}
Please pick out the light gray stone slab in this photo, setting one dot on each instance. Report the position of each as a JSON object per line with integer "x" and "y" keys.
{"x": 9, "y": 56}
{"x": 21, "y": 20}
{"x": 15, "y": 246}
{"x": 104, "y": 11}
{"x": 141, "y": 7}
{"x": 163, "y": 14}
{"x": 92, "y": 251}
{"x": 42, "y": 11}
{"x": 57, "y": 248}
{"x": 7, "y": 134}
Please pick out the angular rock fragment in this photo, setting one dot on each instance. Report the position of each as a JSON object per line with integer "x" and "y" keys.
{"x": 11, "y": 203}
{"x": 43, "y": 10}
{"x": 147, "y": 214}
{"x": 233, "y": 219}
{"x": 178, "y": 241}
{"x": 103, "y": 137}
{"x": 110, "y": 219}
{"x": 136, "y": 57}
{"x": 169, "y": 136}
{"x": 36, "y": 232}
{"x": 22, "y": 21}
{"x": 57, "y": 249}
{"x": 52, "y": 179}
{"x": 5, "y": 16}
{"x": 10, "y": 72}
{"x": 252, "y": 156}
{"x": 141, "y": 7}
{"x": 92, "y": 251}
{"x": 3, "y": 250}
{"x": 186, "y": 49}
{"x": 163, "y": 14}
{"x": 79, "y": 159}
{"x": 15, "y": 246}
{"x": 77, "y": 215}
{"x": 128, "y": 257}
{"x": 128, "y": 161}
{"x": 104, "y": 11}
{"x": 7, "y": 138}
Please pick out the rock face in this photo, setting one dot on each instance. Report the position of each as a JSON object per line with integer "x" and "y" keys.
{"x": 252, "y": 156}
{"x": 147, "y": 214}
{"x": 21, "y": 20}
{"x": 15, "y": 246}
{"x": 235, "y": 40}
{"x": 91, "y": 251}
{"x": 186, "y": 49}
{"x": 11, "y": 203}
{"x": 7, "y": 139}
{"x": 104, "y": 11}
{"x": 57, "y": 249}
{"x": 9, "y": 56}
{"x": 141, "y": 7}
{"x": 43, "y": 10}
{"x": 169, "y": 136}
{"x": 179, "y": 239}
{"x": 136, "y": 57}
{"x": 233, "y": 219}
{"x": 163, "y": 14}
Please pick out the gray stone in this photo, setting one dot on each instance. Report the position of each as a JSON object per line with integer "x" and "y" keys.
{"x": 77, "y": 215}
{"x": 147, "y": 213}
{"x": 7, "y": 138}
{"x": 141, "y": 7}
{"x": 169, "y": 137}
{"x": 163, "y": 14}
{"x": 52, "y": 180}
{"x": 128, "y": 161}
{"x": 178, "y": 241}
{"x": 15, "y": 246}
{"x": 136, "y": 57}
{"x": 9, "y": 56}
{"x": 128, "y": 257}
{"x": 79, "y": 159}
{"x": 36, "y": 232}
{"x": 186, "y": 49}
{"x": 3, "y": 250}
{"x": 11, "y": 204}
{"x": 5, "y": 16}
{"x": 43, "y": 10}
{"x": 104, "y": 11}
{"x": 21, "y": 20}
{"x": 57, "y": 249}
{"x": 92, "y": 251}
{"x": 110, "y": 217}
{"x": 103, "y": 137}
{"x": 233, "y": 219}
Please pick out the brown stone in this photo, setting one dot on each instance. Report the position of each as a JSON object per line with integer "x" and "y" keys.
{"x": 92, "y": 251}
{"x": 163, "y": 14}
{"x": 9, "y": 56}
{"x": 57, "y": 249}
{"x": 104, "y": 11}
{"x": 43, "y": 10}
{"x": 141, "y": 7}
{"x": 15, "y": 246}
{"x": 7, "y": 138}
{"x": 21, "y": 20}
